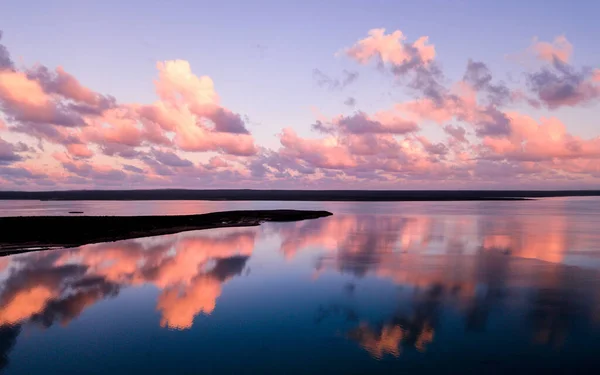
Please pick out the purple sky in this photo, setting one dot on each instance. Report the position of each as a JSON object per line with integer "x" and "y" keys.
{"x": 307, "y": 94}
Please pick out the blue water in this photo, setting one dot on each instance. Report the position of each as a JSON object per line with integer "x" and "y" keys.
{"x": 466, "y": 287}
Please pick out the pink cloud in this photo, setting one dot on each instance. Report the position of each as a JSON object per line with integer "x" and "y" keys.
{"x": 462, "y": 103}
{"x": 559, "y": 84}
{"x": 544, "y": 140}
{"x": 24, "y": 99}
{"x": 66, "y": 86}
{"x": 79, "y": 150}
{"x": 412, "y": 64}
{"x": 189, "y": 107}
{"x": 560, "y": 48}
{"x": 69, "y": 86}
{"x": 61, "y": 157}
{"x": 117, "y": 125}
{"x": 18, "y": 90}
{"x": 381, "y": 122}
{"x": 194, "y": 138}
{"x": 217, "y": 162}
{"x": 177, "y": 84}
{"x": 160, "y": 114}
{"x": 95, "y": 171}
{"x": 37, "y": 100}
{"x": 562, "y": 85}
{"x": 170, "y": 159}
{"x": 427, "y": 110}
{"x": 365, "y": 156}
{"x": 456, "y": 132}
{"x": 8, "y": 153}
{"x": 463, "y": 133}
{"x": 390, "y": 48}
{"x": 322, "y": 153}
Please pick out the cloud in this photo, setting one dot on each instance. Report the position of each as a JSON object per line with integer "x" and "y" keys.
{"x": 189, "y": 106}
{"x": 9, "y": 152}
{"x": 79, "y": 150}
{"x": 170, "y": 159}
{"x": 461, "y": 104}
{"x": 177, "y": 84}
{"x": 433, "y": 148}
{"x": 353, "y": 153}
{"x": 559, "y": 49}
{"x": 413, "y": 62}
{"x": 94, "y": 171}
{"x": 426, "y": 81}
{"x": 479, "y": 76}
{"x": 70, "y": 136}
{"x": 543, "y": 140}
{"x": 390, "y": 48}
{"x": 382, "y": 123}
{"x": 120, "y": 150}
{"x": 198, "y": 139}
{"x": 227, "y": 122}
{"x": 492, "y": 122}
{"x": 132, "y": 168}
{"x": 217, "y": 162}
{"x": 39, "y": 96}
{"x": 322, "y": 154}
{"x": 24, "y": 100}
{"x": 54, "y": 107}
{"x": 18, "y": 173}
{"x": 64, "y": 84}
{"x": 327, "y": 82}
{"x": 5, "y": 61}
{"x": 563, "y": 85}
{"x": 456, "y": 132}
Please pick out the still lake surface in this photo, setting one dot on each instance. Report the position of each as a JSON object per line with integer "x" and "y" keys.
{"x": 417, "y": 287}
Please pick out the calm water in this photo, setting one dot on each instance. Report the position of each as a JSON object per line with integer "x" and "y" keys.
{"x": 472, "y": 287}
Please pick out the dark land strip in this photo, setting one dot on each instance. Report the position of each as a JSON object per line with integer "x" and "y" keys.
{"x": 29, "y": 233}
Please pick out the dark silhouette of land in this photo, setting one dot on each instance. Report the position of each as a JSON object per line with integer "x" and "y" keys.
{"x": 27, "y": 233}
{"x": 296, "y": 195}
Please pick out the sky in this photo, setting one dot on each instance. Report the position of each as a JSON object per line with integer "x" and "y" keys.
{"x": 348, "y": 94}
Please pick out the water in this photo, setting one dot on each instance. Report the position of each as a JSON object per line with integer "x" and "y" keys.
{"x": 466, "y": 287}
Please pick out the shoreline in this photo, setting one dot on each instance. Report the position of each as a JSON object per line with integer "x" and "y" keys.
{"x": 33, "y": 233}
{"x": 294, "y": 195}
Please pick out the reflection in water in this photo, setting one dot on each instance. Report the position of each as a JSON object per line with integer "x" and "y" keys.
{"x": 537, "y": 278}
{"x": 8, "y": 337}
{"x": 56, "y": 286}
{"x": 416, "y": 330}
{"x": 180, "y": 305}
{"x": 473, "y": 264}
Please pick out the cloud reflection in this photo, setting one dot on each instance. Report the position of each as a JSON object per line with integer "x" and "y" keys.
{"x": 189, "y": 269}
{"x": 476, "y": 266}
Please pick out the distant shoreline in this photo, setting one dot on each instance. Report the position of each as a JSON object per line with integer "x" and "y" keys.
{"x": 31, "y": 233}
{"x": 294, "y": 195}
